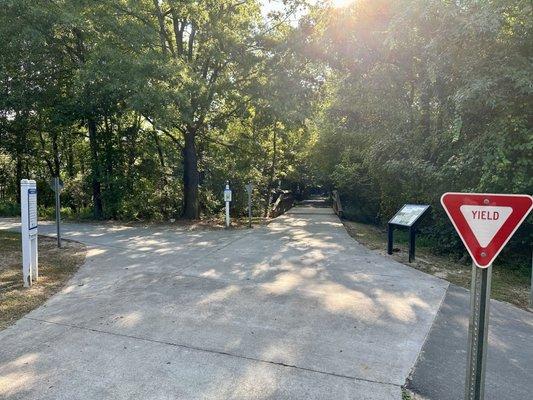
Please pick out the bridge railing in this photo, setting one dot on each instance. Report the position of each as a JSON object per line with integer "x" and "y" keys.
{"x": 336, "y": 203}
{"x": 283, "y": 203}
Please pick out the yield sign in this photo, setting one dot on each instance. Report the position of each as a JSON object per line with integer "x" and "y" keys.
{"x": 486, "y": 222}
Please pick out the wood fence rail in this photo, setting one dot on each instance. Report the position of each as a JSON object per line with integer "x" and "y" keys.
{"x": 337, "y": 205}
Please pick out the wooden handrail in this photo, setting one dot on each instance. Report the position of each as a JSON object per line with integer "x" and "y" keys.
{"x": 283, "y": 203}
{"x": 337, "y": 205}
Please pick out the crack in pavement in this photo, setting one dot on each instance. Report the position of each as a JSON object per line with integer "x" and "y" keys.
{"x": 212, "y": 351}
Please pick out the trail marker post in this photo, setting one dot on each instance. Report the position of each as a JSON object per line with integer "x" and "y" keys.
{"x": 249, "y": 188}
{"x": 29, "y": 226}
{"x": 227, "y": 200}
{"x": 57, "y": 186}
{"x": 485, "y": 223}
{"x": 407, "y": 217}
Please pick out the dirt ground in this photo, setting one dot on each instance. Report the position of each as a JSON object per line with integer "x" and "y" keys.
{"x": 55, "y": 268}
{"x": 507, "y": 284}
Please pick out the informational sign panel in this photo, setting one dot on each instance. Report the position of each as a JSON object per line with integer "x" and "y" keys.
{"x": 227, "y": 195}
{"x": 486, "y": 222}
{"x": 28, "y": 214}
{"x": 32, "y": 208}
{"x": 407, "y": 217}
{"x": 408, "y": 214}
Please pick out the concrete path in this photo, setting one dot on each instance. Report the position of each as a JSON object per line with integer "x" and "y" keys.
{"x": 441, "y": 369}
{"x": 293, "y": 310}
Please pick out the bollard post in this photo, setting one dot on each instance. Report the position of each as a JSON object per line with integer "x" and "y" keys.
{"x": 227, "y": 199}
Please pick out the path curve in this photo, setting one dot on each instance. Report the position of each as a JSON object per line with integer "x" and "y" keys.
{"x": 293, "y": 310}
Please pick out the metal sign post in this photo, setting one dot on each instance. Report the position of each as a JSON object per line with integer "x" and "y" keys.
{"x": 531, "y": 294}
{"x": 390, "y": 238}
{"x": 227, "y": 199}
{"x": 485, "y": 222}
{"x": 28, "y": 216}
{"x": 412, "y": 239}
{"x": 477, "y": 332}
{"x": 57, "y": 186}
{"x": 249, "y": 188}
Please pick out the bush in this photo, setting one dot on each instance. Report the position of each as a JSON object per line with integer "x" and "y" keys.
{"x": 8, "y": 209}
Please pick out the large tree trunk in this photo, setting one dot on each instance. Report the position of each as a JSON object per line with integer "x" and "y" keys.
{"x": 96, "y": 185}
{"x": 161, "y": 22}
{"x": 190, "y": 176}
{"x": 70, "y": 158}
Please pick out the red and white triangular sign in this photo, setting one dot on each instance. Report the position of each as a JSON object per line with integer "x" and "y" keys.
{"x": 486, "y": 222}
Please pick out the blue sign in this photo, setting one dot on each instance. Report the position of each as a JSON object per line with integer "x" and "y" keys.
{"x": 32, "y": 209}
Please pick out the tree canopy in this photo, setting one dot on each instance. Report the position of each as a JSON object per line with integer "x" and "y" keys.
{"x": 145, "y": 108}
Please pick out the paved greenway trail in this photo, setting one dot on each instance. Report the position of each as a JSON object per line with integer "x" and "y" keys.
{"x": 293, "y": 310}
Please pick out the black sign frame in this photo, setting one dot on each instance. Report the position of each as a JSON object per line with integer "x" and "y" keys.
{"x": 411, "y": 227}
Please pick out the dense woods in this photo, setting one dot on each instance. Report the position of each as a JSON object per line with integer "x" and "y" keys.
{"x": 145, "y": 108}
{"x": 426, "y": 97}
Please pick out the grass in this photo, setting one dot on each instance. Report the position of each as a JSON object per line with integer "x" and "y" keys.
{"x": 56, "y": 266}
{"x": 508, "y": 284}
{"x": 406, "y": 395}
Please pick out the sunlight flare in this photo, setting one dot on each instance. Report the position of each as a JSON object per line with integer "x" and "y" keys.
{"x": 341, "y": 3}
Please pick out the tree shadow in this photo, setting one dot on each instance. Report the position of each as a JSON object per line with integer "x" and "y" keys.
{"x": 298, "y": 294}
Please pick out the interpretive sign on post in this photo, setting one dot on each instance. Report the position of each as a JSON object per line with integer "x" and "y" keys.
{"x": 408, "y": 214}
{"x": 29, "y": 228}
{"x": 485, "y": 223}
{"x": 227, "y": 200}
{"x": 249, "y": 189}
{"x": 407, "y": 217}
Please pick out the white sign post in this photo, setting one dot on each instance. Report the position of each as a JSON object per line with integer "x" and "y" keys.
{"x": 28, "y": 202}
{"x": 227, "y": 199}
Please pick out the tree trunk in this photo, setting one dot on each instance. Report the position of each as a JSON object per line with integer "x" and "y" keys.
{"x": 272, "y": 174}
{"x": 48, "y": 162}
{"x": 96, "y": 185}
{"x": 190, "y": 176}
{"x": 161, "y": 22}
{"x": 18, "y": 174}
{"x": 70, "y": 159}
{"x": 55, "y": 151}
{"x": 20, "y": 148}
{"x": 425, "y": 98}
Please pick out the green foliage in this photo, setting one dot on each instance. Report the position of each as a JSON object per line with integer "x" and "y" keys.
{"x": 9, "y": 209}
{"x": 424, "y": 97}
{"x": 146, "y": 108}
{"x": 141, "y": 105}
